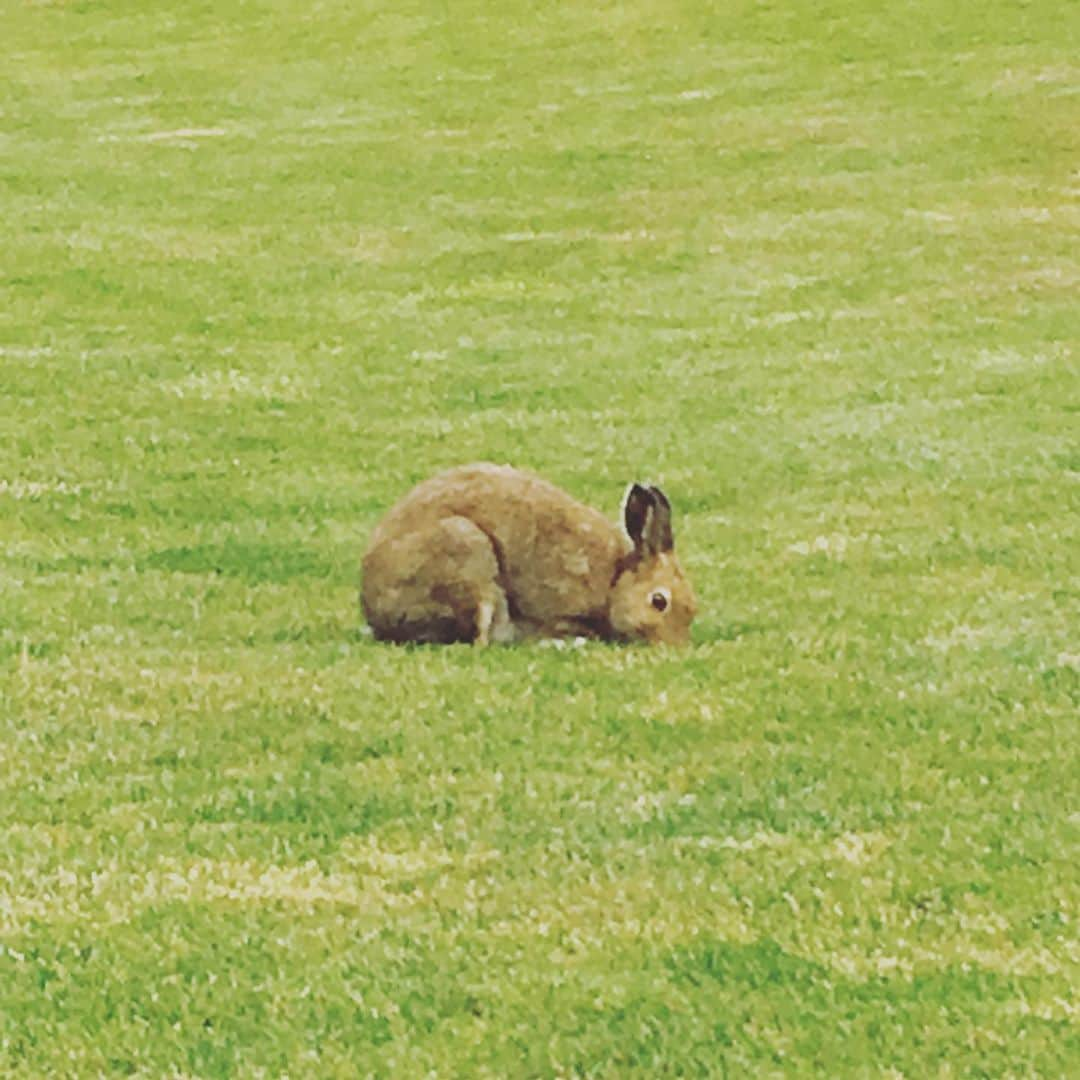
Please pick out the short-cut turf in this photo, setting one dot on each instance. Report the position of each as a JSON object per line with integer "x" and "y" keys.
{"x": 813, "y": 268}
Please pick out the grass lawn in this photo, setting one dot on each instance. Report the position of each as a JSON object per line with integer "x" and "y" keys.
{"x": 811, "y": 267}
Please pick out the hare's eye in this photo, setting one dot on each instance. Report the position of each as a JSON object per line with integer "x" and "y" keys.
{"x": 659, "y": 600}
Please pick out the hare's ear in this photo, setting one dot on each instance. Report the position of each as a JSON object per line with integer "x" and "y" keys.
{"x": 658, "y": 534}
{"x": 636, "y": 506}
{"x": 647, "y": 515}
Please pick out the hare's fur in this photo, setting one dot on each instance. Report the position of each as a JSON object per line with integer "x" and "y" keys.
{"x": 487, "y": 553}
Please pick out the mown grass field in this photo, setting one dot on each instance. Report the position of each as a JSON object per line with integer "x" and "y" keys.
{"x": 812, "y": 267}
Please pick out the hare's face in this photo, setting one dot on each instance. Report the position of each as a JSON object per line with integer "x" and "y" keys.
{"x": 652, "y": 601}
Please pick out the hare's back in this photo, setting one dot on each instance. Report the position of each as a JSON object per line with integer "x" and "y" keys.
{"x": 521, "y": 512}
{"x": 494, "y": 496}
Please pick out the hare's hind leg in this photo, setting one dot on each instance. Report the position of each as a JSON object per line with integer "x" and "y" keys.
{"x": 439, "y": 584}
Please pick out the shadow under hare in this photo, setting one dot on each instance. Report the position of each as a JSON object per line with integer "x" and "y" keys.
{"x": 488, "y": 553}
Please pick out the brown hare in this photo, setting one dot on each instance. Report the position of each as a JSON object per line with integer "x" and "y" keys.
{"x": 487, "y": 553}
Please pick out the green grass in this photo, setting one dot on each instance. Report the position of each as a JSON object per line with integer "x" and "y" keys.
{"x": 812, "y": 267}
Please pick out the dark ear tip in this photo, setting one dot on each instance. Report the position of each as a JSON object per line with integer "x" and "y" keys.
{"x": 660, "y": 497}
{"x": 638, "y": 498}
